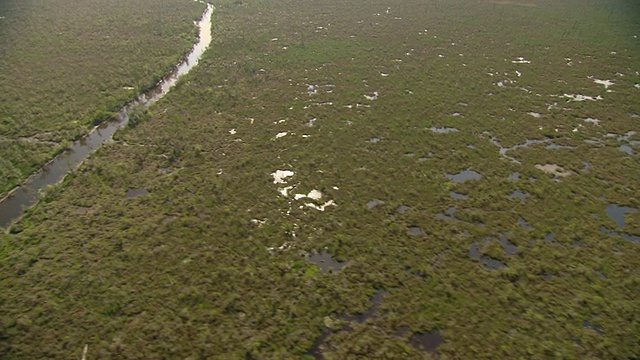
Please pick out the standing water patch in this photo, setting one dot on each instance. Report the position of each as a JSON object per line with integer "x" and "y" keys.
{"x": 464, "y": 175}
{"x": 370, "y": 313}
{"x": 403, "y": 208}
{"x": 593, "y": 326}
{"x": 415, "y": 230}
{"x": 458, "y": 196}
{"x": 448, "y": 214}
{"x": 626, "y": 149}
{"x": 524, "y": 224}
{"x": 616, "y": 213}
{"x": 428, "y": 341}
{"x": 630, "y": 237}
{"x": 489, "y": 262}
{"x": 325, "y": 261}
{"x": 517, "y": 194}
{"x": 509, "y": 248}
{"x": 131, "y": 193}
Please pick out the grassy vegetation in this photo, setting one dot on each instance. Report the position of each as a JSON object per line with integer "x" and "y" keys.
{"x": 210, "y": 263}
{"x": 66, "y": 66}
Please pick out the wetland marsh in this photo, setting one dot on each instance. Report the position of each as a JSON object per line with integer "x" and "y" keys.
{"x": 27, "y": 194}
{"x": 301, "y": 193}
{"x": 69, "y": 66}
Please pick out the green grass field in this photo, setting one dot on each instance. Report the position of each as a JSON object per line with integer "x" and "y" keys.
{"x": 67, "y": 65}
{"x": 213, "y": 262}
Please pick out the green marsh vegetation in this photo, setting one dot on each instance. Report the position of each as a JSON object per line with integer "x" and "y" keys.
{"x": 210, "y": 263}
{"x": 69, "y": 65}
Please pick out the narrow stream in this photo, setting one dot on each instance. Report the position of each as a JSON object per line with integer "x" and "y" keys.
{"x": 14, "y": 204}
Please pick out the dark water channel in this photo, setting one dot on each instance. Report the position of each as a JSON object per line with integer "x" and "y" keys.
{"x": 26, "y": 195}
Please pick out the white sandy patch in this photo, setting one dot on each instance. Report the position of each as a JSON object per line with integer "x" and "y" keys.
{"x": 371, "y": 97}
{"x": 578, "y": 97}
{"x": 313, "y": 194}
{"x": 279, "y": 176}
{"x": 554, "y": 169}
{"x": 128, "y": 87}
{"x": 384, "y": 74}
{"x": 282, "y": 247}
{"x": 232, "y": 131}
{"x": 285, "y": 190}
{"x": 555, "y": 106}
{"x": 521, "y": 60}
{"x": 605, "y": 83}
{"x": 281, "y": 134}
{"x": 258, "y": 222}
{"x": 518, "y": 73}
{"x": 320, "y": 207}
{"x": 637, "y": 86}
{"x": 534, "y": 114}
{"x": 592, "y": 121}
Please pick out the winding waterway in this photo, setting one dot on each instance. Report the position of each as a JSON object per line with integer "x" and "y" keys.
{"x": 26, "y": 195}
